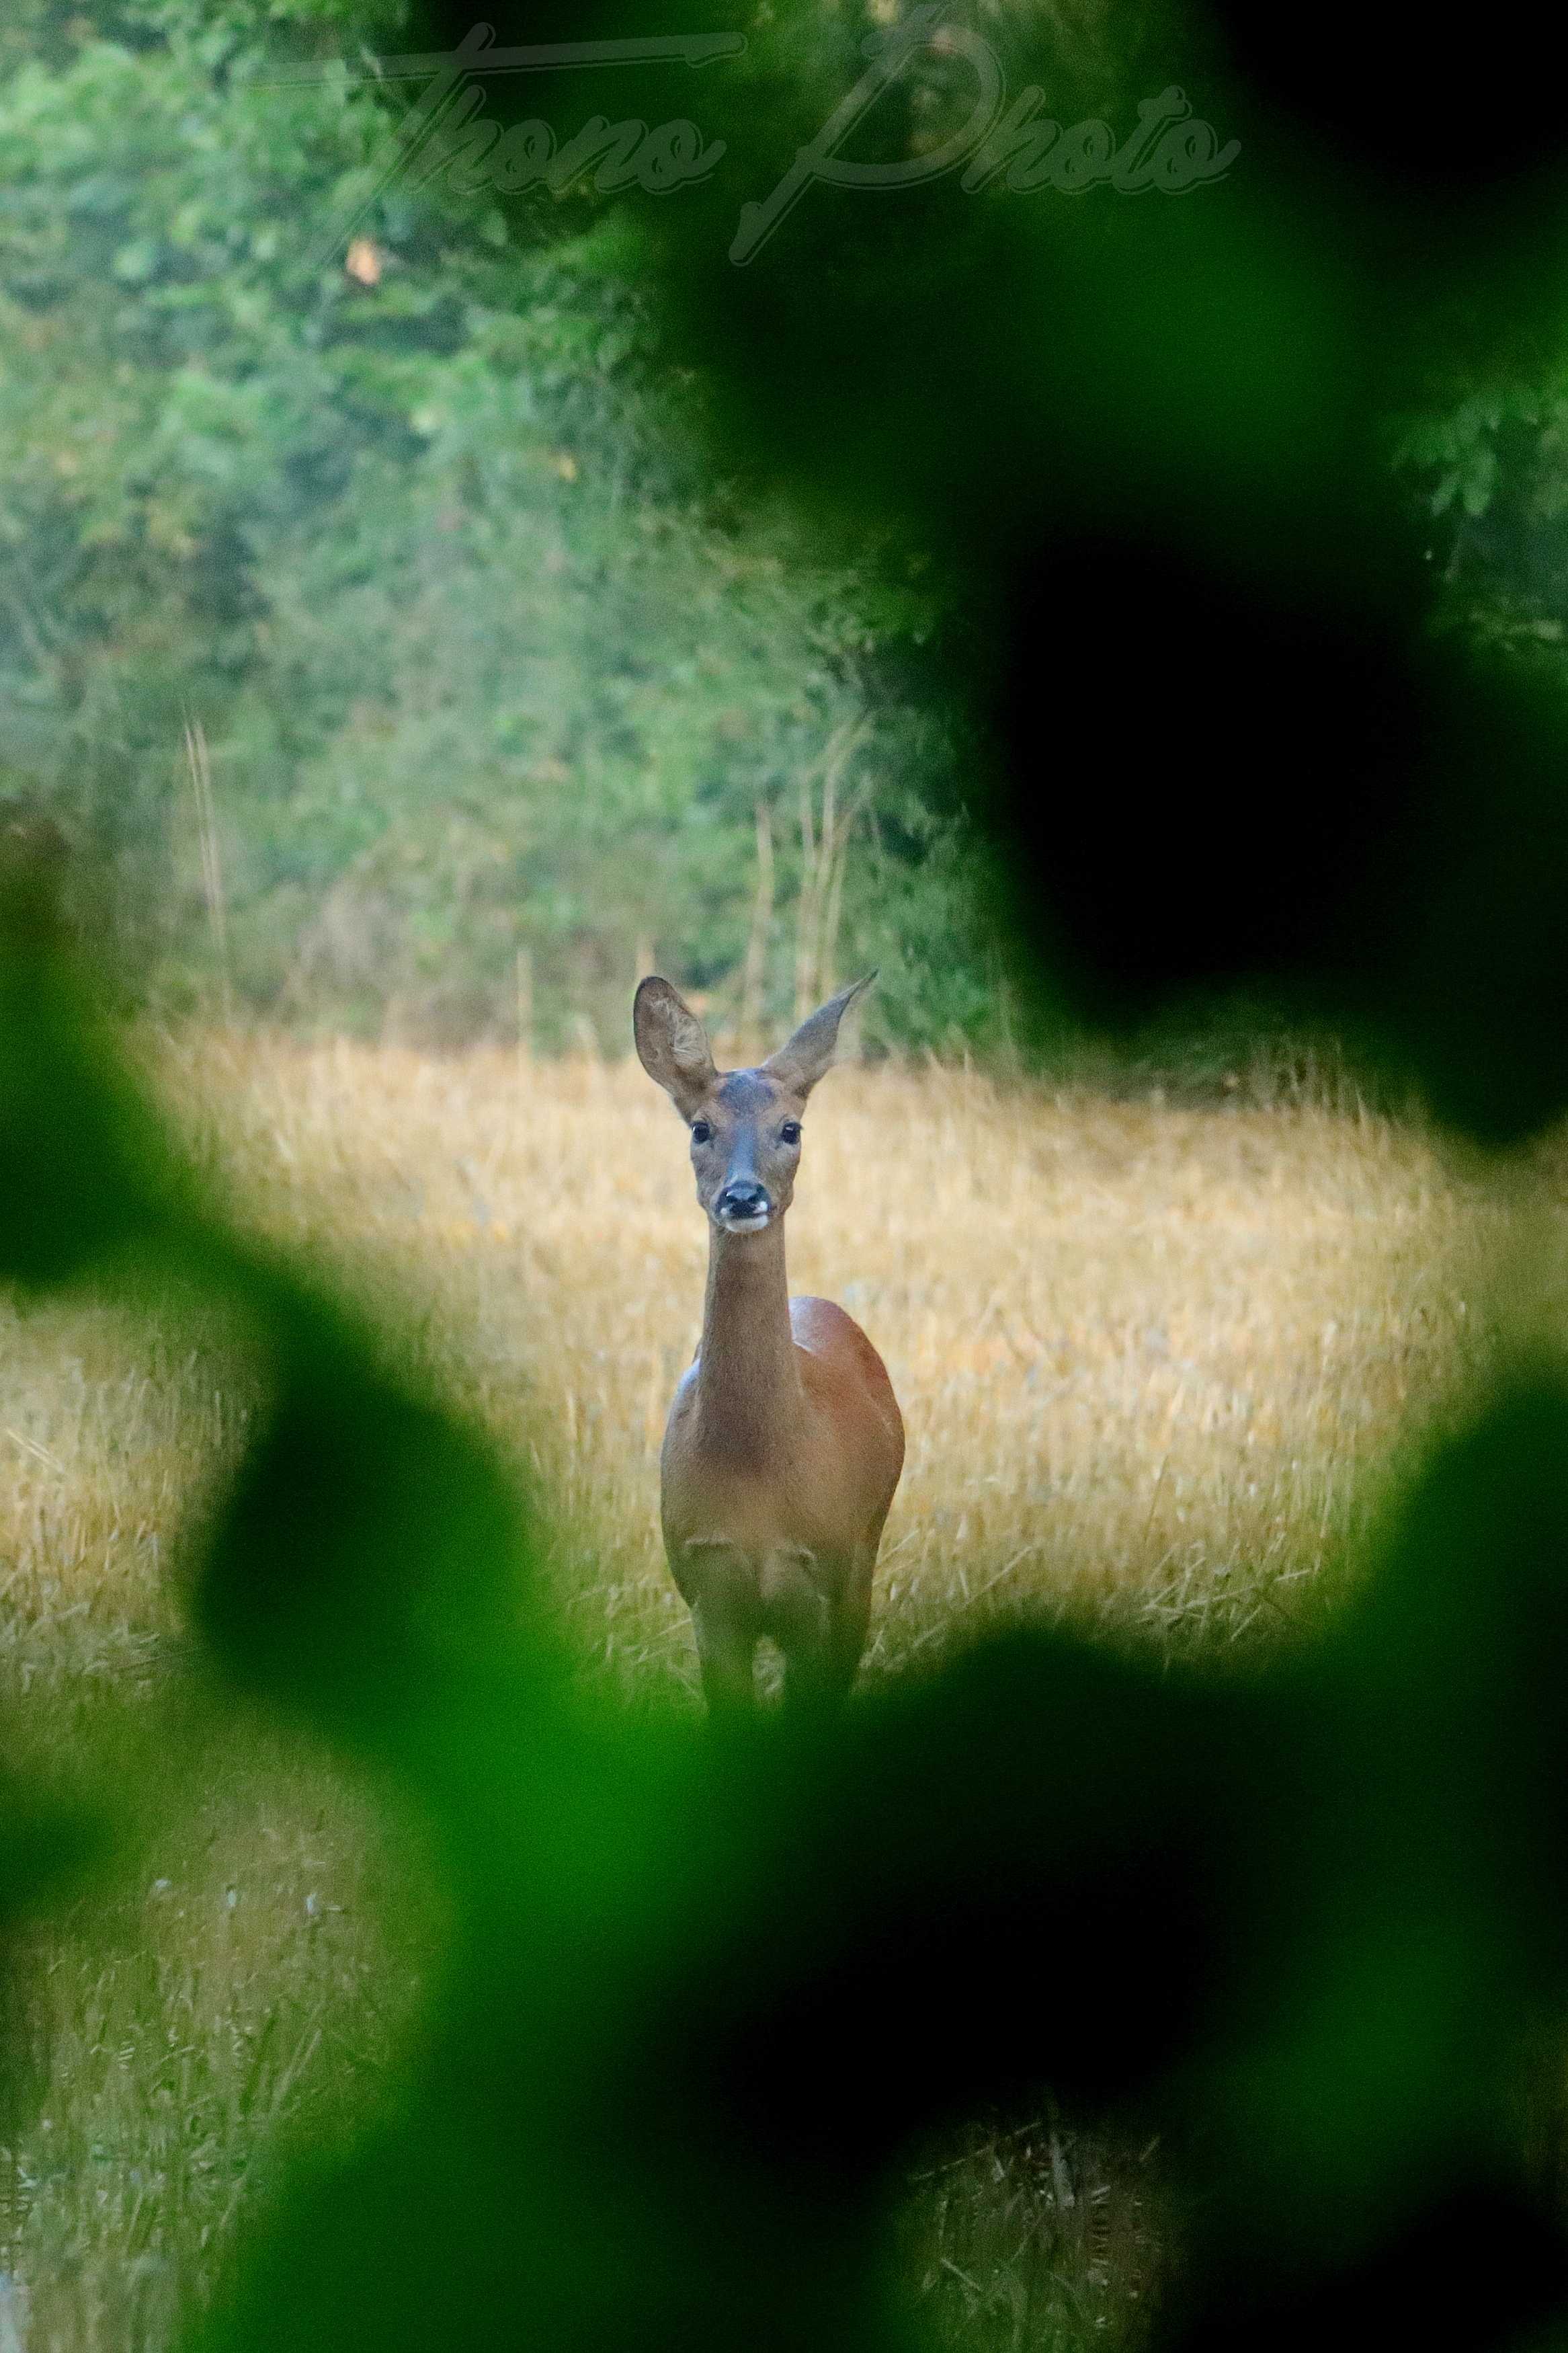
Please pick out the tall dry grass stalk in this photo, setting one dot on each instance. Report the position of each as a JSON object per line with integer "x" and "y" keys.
{"x": 199, "y": 767}
{"x": 1154, "y": 1364}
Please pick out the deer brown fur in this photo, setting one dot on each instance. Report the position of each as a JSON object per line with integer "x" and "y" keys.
{"x": 784, "y": 1442}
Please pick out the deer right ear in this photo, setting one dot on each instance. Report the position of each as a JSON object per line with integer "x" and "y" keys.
{"x": 672, "y": 1045}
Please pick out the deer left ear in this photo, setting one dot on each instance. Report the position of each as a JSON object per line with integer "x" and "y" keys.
{"x": 802, "y": 1059}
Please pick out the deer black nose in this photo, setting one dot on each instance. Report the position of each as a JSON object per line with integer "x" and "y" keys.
{"x": 745, "y": 1198}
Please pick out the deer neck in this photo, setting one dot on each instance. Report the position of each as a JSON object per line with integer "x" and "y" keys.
{"x": 748, "y": 1379}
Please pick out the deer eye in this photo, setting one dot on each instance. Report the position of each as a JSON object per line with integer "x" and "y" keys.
{"x": 790, "y": 1132}
{"x": 700, "y": 1131}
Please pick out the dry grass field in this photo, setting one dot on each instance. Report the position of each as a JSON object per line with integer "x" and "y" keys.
{"x": 1156, "y": 1366}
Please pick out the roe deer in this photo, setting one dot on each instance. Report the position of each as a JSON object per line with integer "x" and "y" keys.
{"x": 784, "y": 1442}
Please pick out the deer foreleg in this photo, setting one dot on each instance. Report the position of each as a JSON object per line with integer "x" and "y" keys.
{"x": 722, "y": 1592}
{"x": 826, "y": 1670}
{"x": 805, "y": 1615}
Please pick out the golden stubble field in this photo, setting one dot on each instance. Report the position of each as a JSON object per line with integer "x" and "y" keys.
{"x": 1156, "y": 1367}
{"x": 1147, "y": 1357}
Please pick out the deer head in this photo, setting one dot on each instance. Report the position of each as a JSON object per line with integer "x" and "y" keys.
{"x": 745, "y": 1124}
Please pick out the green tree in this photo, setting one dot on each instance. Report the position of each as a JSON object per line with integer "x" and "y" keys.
{"x": 488, "y": 664}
